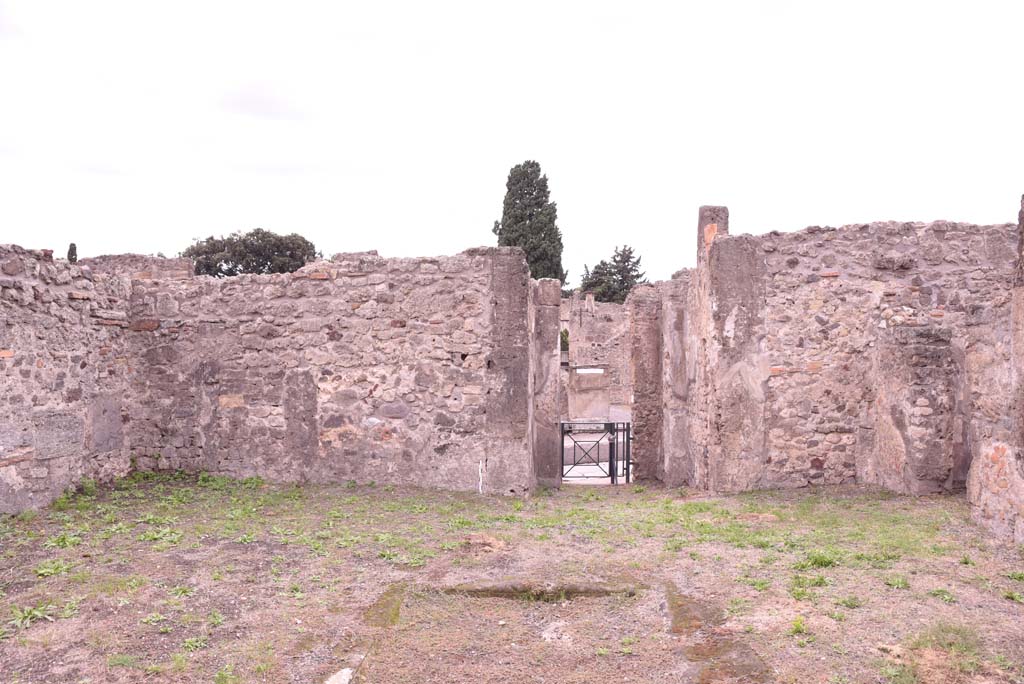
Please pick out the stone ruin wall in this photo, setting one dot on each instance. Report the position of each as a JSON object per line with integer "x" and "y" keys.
{"x": 65, "y": 365}
{"x": 598, "y": 338}
{"x": 416, "y": 371}
{"x": 411, "y": 371}
{"x": 885, "y": 353}
{"x": 879, "y": 353}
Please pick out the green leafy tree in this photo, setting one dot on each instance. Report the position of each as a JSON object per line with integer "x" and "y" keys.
{"x": 258, "y": 251}
{"x": 611, "y": 281}
{"x": 528, "y": 220}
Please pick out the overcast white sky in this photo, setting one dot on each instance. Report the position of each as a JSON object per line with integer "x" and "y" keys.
{"x": 136, "y": 126}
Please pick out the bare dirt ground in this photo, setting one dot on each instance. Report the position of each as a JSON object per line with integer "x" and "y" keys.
{"x": 173, "y": 578}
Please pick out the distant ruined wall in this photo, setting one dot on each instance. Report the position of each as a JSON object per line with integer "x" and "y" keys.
{"x": 598, "y": 338}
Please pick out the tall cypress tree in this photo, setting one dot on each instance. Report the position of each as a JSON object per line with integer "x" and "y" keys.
{"x": 528, "y": 220}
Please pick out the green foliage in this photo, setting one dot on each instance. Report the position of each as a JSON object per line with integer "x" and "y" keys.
{"x": 226, "y": 675}
{"x": 122, "y": 660}
{"x": 799, "y": 626}
{"x": 611, "y": 281}
{"x": 897, "y": 582}
{"x": 258, "y": 251}
{"x": 163, "y": 535}
{"x": 899, "y": 673}
{"x": 850, "y": 602}
{"x": 528, "y": 220}
{"x": 818, "y": 559}
{"x": 943, "y": 595}
{"x": 960, "y": 641}
{"x": 63, "y": 540}
{"x": 22, "y": 618}
{"x": 193, "y": 644}
{"x": 71, "y": 607}
{"x": 72, "y": 253}
{"x": 54, "y": 566}
{"x": 757, "y": 583}
{"x": 563, "y": 339}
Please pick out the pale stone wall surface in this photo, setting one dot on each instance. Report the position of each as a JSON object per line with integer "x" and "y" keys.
{"x": 887, "y": 349}
{"x": 545, "y": 380}
{"x": 644, "y": 311}
{"x": 881, "y": 353}
{"x": 886, "y": 353}
{"x": 64, "y": 368}
{"x": 412, "y": 371}
{"x": 995, "y": 484}
{"x": 391, "y": 370}
{"x": 599, "y": 338}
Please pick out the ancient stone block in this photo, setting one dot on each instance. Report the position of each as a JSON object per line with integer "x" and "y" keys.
{"x": 229, "y": 401}
{"x": 58, "y": 434}
{"x": 105, "y": 424}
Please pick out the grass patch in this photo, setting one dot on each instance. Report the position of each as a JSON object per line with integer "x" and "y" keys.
{"x": 851, "y": 602}
{"x": 23, "y": 618}
{"x": 123, "y": 660}
{"x": 799, "y": 626}
{"x": 64, "y": 540}
{"x": 943, "y": 595}
{"x": 897, "y": 582}
{"x": 960, "y": 641}
{"x": 54, "y": 566}
{"x": 818, "y": 558}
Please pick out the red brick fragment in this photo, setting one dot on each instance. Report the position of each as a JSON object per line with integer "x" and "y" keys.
{"x": 145, "y": 325}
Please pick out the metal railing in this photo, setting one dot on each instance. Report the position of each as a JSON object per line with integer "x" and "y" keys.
{"x": 596, "y": 449}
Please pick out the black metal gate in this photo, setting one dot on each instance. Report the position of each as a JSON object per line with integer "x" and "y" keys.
{"x": 596, "y": 450}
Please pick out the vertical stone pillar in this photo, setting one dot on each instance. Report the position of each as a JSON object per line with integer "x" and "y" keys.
{"x": 507, "y": 364}
{"x": 1019, "y": 280}
{"x": 545, "y": 368}
{"x": 643, "y": 308}
{"x": 995, "y": 484}
{"x": 711, "y": 223}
